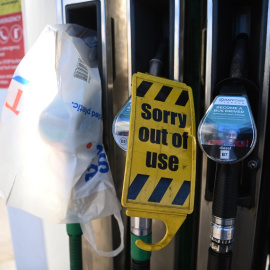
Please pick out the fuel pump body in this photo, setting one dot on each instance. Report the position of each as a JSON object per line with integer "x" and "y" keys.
{"x": 129, "y": 32}
{"x": 133, "y": 30}
{"x": 224, "y": 20}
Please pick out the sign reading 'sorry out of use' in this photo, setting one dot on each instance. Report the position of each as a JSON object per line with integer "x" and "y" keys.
{"x": 160, "y": 167}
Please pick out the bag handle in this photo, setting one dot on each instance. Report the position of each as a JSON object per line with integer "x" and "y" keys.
{"x": 88, "y": 232}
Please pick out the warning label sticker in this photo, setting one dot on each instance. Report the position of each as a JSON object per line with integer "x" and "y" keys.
{"x": 11, "y": 40}
{"x": 10, "y": 6}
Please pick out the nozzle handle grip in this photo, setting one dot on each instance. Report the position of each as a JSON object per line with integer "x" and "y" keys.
{"x": 226, "y": 190}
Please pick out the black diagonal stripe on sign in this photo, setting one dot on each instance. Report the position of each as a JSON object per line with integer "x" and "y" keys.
{"x": 183, "y": 99}
{"x": 163, "y": 93}
{"x": 182, "y": 194}
{"x": 143, "y": 88}
{"x": 137, "y": 185}
{"x": 160, "y": 190}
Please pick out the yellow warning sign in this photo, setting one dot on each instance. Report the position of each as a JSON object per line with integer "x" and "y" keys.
{"x": 160, "y": 166}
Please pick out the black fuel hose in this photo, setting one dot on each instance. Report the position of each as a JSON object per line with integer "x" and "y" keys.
{"x": 225, "y": 193}
{"x": 225, "y": 190}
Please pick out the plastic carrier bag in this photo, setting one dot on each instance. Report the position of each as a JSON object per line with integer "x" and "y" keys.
{"x": 53, "y": 164}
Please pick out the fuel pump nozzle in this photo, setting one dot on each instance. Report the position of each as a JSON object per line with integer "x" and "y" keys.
{"x": 224, "y": 206}
{"x": 227, "y": 123}
{"x": 141, "y": 228}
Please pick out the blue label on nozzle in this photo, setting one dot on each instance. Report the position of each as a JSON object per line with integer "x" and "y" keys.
{"x": 121, "y": 126}
{"x": 227, "y": 133}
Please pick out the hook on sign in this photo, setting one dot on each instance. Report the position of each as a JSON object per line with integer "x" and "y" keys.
{"x": 172, "y": 222}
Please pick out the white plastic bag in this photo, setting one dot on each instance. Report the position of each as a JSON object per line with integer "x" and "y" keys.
{"x": 53, "y": 164}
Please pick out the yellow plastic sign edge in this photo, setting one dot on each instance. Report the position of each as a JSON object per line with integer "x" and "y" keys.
{"x": 174, "y": 219}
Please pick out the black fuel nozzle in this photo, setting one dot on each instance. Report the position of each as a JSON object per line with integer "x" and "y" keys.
{"x": 227, "y": 134}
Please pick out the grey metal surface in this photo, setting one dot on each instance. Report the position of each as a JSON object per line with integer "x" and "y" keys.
{"x": 179, "y": 34}
{"x": 205, "y": 206}
{"x": 141, "y": 226}
{"x": 221, "y": 234}
{"x": 117, "y": 38}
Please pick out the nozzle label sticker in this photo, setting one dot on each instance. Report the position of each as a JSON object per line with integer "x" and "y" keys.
{"x": 225, "y": 154}
{"x": 160, "y": 168}
{"x": 227, "y": 133}
{"x": 121, "y": 126}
